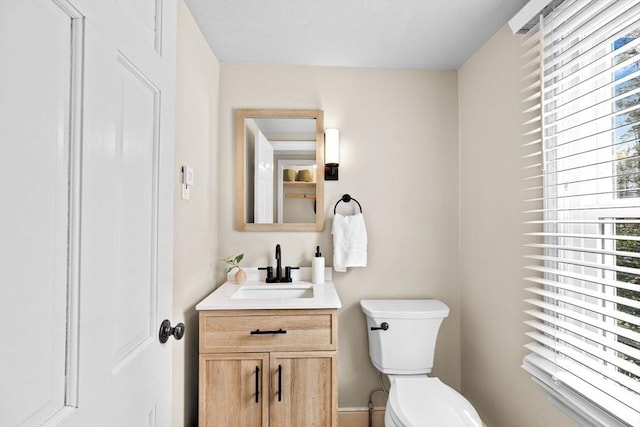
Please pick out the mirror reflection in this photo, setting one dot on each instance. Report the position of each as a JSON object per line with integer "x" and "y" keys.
{"x": 281, "y": 166}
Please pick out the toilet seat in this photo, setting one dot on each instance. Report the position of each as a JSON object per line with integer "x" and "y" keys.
{"x": 428, "y": 402}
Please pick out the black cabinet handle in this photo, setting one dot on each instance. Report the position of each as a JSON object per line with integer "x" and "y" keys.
{"x": 383, "y": 326}
{"x": 279, "y": 383}
{"x": 257, "y": 384}
{"x": 259, "y": 332}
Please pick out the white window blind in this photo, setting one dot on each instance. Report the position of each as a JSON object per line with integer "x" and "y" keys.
{"x": 583, "y": 203}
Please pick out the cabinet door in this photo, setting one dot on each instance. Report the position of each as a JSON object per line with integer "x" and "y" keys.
{"x": 234, "y": 390}
{"x": 303, "y": 389}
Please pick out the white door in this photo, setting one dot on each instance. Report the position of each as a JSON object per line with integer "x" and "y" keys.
{"x": 264, "y": 183}
{"x": 86, "y": 143}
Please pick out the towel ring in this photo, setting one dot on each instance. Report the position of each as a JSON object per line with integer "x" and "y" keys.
{"x": 346, "y": 198}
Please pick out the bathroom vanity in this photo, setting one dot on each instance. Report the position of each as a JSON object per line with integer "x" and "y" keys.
{"x": 268, "y": 354}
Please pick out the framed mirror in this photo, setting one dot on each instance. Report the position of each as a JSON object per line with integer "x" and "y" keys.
{"x": 279, "y": 170}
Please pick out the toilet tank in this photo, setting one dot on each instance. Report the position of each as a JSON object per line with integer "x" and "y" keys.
{"x": 407, "y": 346}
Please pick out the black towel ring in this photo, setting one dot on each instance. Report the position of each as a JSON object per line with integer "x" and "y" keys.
{"x": 346, "y": 198}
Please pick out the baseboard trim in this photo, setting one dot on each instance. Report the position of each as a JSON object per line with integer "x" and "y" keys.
{"x": 359, "y": 417}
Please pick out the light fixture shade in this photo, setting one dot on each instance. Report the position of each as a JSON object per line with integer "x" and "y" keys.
{"x": 332, "y": 146}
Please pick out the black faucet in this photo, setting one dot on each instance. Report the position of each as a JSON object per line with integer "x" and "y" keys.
{"x": 279, "y": 277}
{"x": 278, "y": 263}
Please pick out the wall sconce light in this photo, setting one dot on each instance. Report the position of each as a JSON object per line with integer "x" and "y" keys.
{"x": 331, "y": 154}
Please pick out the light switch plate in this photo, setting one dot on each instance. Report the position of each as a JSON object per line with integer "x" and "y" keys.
{"x": 187, "y": 175}
{"x": 187, "y": 181}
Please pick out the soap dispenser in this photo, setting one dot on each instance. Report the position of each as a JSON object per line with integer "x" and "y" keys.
{"x": 317, "y": 268}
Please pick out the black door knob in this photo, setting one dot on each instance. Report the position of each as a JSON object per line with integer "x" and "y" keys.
{"x": 166, "y": 330}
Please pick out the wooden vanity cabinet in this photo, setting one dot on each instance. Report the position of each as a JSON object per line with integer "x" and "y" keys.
{"x": 268, "y": 368}
{"x": 228, "y": 384}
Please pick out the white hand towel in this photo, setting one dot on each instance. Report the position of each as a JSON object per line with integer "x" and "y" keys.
{"x": 349, "y": 242}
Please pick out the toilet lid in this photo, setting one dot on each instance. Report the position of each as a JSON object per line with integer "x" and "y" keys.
{"x": 428, "y": 402}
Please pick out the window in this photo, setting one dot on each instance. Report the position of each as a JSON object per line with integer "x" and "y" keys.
{"x": 584, "y": 208}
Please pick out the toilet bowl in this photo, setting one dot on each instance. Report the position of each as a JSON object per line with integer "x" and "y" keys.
{"x": 427, "y": 402}
{"x": 402, "y": 338}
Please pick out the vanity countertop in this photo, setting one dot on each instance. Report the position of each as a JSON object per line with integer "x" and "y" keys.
{"x": 227, "y": 296}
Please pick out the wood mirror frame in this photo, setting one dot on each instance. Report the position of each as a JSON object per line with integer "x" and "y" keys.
{"x": 241, "y": 169}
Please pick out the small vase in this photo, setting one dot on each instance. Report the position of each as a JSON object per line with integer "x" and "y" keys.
{"x": 240, "y": 276}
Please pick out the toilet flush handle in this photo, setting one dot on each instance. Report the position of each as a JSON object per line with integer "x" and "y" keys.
{"x": 383, "y": 326}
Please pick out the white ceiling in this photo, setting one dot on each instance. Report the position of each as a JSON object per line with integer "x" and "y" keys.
{"x": 424, "y": 34}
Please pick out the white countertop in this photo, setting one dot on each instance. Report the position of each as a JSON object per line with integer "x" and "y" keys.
{"x": 324, "y": 295}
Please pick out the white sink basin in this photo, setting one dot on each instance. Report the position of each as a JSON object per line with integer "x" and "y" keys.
{"x": 255, "y": 294}
{"x": 279, "y": 291}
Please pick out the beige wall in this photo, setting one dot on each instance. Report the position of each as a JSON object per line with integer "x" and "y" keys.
{"x": 491, "y": 245}
{"x": 195, "y": 220}
{"x": 399, "y": 136}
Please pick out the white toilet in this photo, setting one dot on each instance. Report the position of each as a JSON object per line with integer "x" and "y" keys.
{"x": 402, "y": 341}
